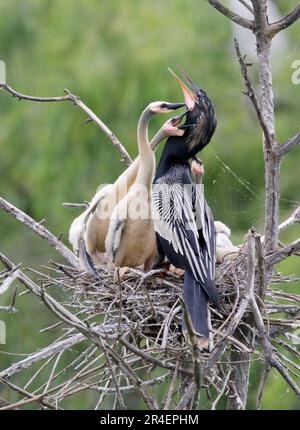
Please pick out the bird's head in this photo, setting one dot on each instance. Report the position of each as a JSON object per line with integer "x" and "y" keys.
{"x": 200, "y": 121}
{"x": 164, "y": 107}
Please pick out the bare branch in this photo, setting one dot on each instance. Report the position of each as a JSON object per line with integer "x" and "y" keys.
{"x": 268, "y": 349}
{"x": 247, "y": 6}
{"x": 262, "y": 384}
{"x": 76, "y": 205}
{"x": 285, "y": 22}
{"x": 290, "y": 144}
{"x": 292, "y": 219}
{"x": 31, "y": 397}
{"x": 287, "y": 251}
{"x": 252, "y": 95}
{"x": 40, "y": 230}
{"x": 231, "y": 15}
{"x": 77, "y": 101}
{"x": 49, "y": 351}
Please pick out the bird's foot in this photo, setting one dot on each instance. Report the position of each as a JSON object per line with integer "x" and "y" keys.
{"x": 120, "y": 273}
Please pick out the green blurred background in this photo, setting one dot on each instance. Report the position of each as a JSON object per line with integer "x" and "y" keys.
{"x": 115, "y": 54}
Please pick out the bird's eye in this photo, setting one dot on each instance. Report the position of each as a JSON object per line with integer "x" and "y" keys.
{"x": 163, "y": 105}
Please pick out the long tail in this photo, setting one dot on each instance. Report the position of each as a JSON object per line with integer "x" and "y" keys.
{"x": 196, "y": 303}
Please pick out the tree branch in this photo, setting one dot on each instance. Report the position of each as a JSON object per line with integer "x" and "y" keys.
{"x": 288, "y": 145}
{"x": 247, "y": 6}
{"x": 287, "y": 251}
{"x": 252, "y": 95}
{"x": 77, "y": 101}
{"x": 285, "y": 22}
{"x": 231, "y": 15}
{"x": 40, "y": 230}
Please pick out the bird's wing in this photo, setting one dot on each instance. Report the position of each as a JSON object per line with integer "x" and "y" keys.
{"x": 182, "y": 217}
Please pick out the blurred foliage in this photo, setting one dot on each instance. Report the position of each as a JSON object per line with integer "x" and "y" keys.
{"x": 115, "y": 54}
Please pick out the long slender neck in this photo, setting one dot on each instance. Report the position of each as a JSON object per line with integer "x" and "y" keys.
{"x": 147, "y": 160}
{"x": 174, "y": 152}
{"x": 159, "y": 136}
{"x": 129, "y": 175}
{"x": 142, "y": 133}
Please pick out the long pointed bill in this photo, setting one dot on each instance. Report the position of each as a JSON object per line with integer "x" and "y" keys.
{"x": 189, "y": 96}
{"x": 191, "y": 82}
{"x": 174, "y": 106}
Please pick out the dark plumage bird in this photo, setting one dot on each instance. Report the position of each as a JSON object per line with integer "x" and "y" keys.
{"x": 183, "y": 222}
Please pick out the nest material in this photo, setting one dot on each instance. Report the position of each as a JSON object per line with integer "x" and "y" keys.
{"x": 131, "y": 332}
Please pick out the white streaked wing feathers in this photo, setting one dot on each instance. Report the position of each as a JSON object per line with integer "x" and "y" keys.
{"x": 173, "y": 215}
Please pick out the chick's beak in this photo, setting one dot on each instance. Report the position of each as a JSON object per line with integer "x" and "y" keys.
{"x": 189, "y": 96}
{"x": 172, "y": 126}
{"x": 174, "y": 106}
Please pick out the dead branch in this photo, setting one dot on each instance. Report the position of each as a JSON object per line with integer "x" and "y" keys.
{"x": 285, "y": 22}
{"x": 247, "y": 6}
{"x": 252, "y": 95}
{"x": 285, "y": 252}
{"x": 40, "y": 230}
{"x": 77, "y": 101}
{"x": 231, "y": 15}
{"x": 290, "y": 144}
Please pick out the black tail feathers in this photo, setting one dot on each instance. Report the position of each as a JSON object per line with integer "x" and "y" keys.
{"x": 196, "y": 302}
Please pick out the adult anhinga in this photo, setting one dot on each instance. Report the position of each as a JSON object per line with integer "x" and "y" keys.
{"x": 182, "y": 219}
{"x": 92, "y": 225}
{"x": 130, "y": 239}
{"x": 224, "y": 247}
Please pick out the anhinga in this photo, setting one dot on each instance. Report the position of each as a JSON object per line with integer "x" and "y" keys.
{"x": 224, "y": 246}
{"x": 182, "y": 219}
{"x": 130, "y": 240}
{"x": 92, "y": 225}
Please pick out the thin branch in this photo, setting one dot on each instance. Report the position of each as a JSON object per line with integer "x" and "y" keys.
{"x": 247, "y": 6}
{"x": 290, "y": 144}
{"x": 287, "y": 251}
{"x": 262, "y": 384}
{"x": 252, "y": 95}
{"x": 49, "y": 351}
{"x": 31, "y": 397}
{"x": 224, "y": 386}
{"x": 285, "y": 22}
{"x": 268, "y": 349}
{"x": 40, "y": 230}
{"x": 77, "y": 101}
{"x": 76, "y": 205}
{"x": 171, "y": 388}
{"x": 231, "y": 15}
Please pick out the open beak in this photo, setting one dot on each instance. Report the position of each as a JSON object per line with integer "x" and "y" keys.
{"x": 189, "y": 96}
{"x": 172, "y": 127}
